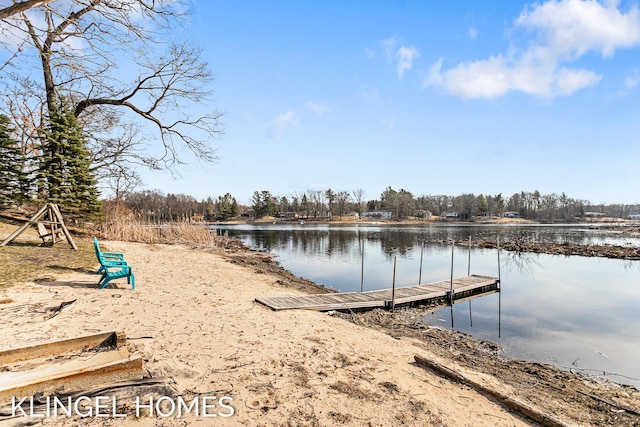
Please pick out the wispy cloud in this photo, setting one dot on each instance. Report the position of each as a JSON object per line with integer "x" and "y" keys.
{"x": 371, "y": 96}
{"x": 281, "y": 122}
{"x": 318, "y": 109}
{"x": 472, "y": 33}
{"x": 389, "y": 47}
{"x": 402, "y": 56}
{"x": 406, "y": 55}
{"x": 564, "y": 30}
{"x": 631, "y": 83}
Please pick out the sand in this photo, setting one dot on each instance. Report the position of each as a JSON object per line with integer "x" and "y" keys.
{"x": 194, "y": 319}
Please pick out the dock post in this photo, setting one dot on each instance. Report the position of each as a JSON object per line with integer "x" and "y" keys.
{"x": 453, "y": 245}
{"x": 393, "y": 288}
{"x": 469, "y": 263}
{"x": 469, "y": 274}
{"x": 499, "y": 294}
{"x": 362, "y": 268}
{"x": 421, "y": 253}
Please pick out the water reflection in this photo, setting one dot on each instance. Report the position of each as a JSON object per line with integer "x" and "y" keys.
{"x": 522, "y": 262}
{"x": 555, "y": 309}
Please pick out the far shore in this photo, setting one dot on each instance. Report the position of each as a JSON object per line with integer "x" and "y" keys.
{"x": 488, "y": 220}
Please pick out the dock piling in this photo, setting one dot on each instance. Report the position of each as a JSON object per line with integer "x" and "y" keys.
{"x": 393, "y": 289}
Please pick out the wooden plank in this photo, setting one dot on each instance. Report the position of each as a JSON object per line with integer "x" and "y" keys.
{"x": 63, "y": 346}
{"x": 79, "y": 374}
{"x": 66, "y": 364}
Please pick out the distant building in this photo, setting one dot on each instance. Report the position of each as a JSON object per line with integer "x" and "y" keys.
{"x": 593, "y": 214}
{"x": 634, "y": 217}
{"x": 288, "y": 215}
{"x": 377, "y": 214}
{"x": 353, "y": 214}
{"x": 450, "y": 215}
{"x": 511, "y": 215}
{"x": 423, "y": 213}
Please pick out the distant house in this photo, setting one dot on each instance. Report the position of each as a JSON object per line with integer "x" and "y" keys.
{"x": 353, "y": 214}
{"x": 593, "y": 214}
{"x": 450, "y": 215}
{"x": 511, "y": 215}
{"x": 423, "y": 213}
{"x": 634, "y": 216}
{"x": 377, "y": 214}
{"x": 288, "y": 215}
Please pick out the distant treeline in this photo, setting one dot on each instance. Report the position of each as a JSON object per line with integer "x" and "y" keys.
{"x": 153, "y": 205}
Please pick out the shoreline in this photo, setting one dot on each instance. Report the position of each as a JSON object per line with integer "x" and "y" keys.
{"x": 198, "y": 325}
{"x": 490, "y": 220}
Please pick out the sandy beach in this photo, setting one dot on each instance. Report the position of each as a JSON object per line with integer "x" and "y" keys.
{"x": 194, "y": 320}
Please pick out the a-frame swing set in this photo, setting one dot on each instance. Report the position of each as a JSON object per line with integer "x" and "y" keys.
{"x": 50, "y": 226}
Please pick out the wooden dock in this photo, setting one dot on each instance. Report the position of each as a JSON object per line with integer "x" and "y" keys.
{"x": 463, "y": 288}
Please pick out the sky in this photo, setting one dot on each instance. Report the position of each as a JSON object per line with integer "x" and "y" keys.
{"x": 434, "y": 97}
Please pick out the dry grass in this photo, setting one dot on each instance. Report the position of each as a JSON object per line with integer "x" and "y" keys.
{"x": 25, "y": 260}
{"x": 353, "y": 391}
{"x": 183, "y": 233}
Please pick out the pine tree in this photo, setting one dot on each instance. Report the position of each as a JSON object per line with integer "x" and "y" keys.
{"x": 13, "y": 181}
{"x": 65, "y": 166}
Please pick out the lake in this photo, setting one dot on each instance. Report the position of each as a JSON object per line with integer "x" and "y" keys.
{"x": 571, "y": 312}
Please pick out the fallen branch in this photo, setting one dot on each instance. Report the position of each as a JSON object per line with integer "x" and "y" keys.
{"x": 615, "y": 405}
{"x": 521, "y": 407}
{"x": 57, "y": 310}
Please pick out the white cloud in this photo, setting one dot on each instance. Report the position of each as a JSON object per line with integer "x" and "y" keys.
{"x": 281, "y": 122}
{"x": 574, "y": 27}
{"x": 402, "y": 56}
{"x": 566, "y": 30}
{"x": 318, "y": 109}
{"x": 406, "y": 55}
{"x": 568, "y": 81}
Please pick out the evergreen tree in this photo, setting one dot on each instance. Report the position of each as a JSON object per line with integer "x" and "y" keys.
{"x": 65, "y": 166}
{"x": 13, "y": 181}
{"x": 227, "y": 207}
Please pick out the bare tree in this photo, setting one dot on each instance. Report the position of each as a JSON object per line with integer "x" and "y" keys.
{"x": 82, "y": 48}
{"x": 358, "y": 199}
{"x": 342, "y": 198}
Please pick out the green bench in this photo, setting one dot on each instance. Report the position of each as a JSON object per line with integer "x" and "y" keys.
{"x": 112, "y": 266}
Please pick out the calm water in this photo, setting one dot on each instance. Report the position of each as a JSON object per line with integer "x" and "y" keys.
{"x": 572, "y": 312}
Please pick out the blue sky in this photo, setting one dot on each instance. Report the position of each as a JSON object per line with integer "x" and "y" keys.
{"x": 435, "y": 97}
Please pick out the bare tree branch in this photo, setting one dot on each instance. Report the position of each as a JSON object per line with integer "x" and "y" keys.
{"x": 19, "y": 7}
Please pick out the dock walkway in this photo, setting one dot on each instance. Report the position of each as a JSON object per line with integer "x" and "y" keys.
{"x": 463, "y": 287}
